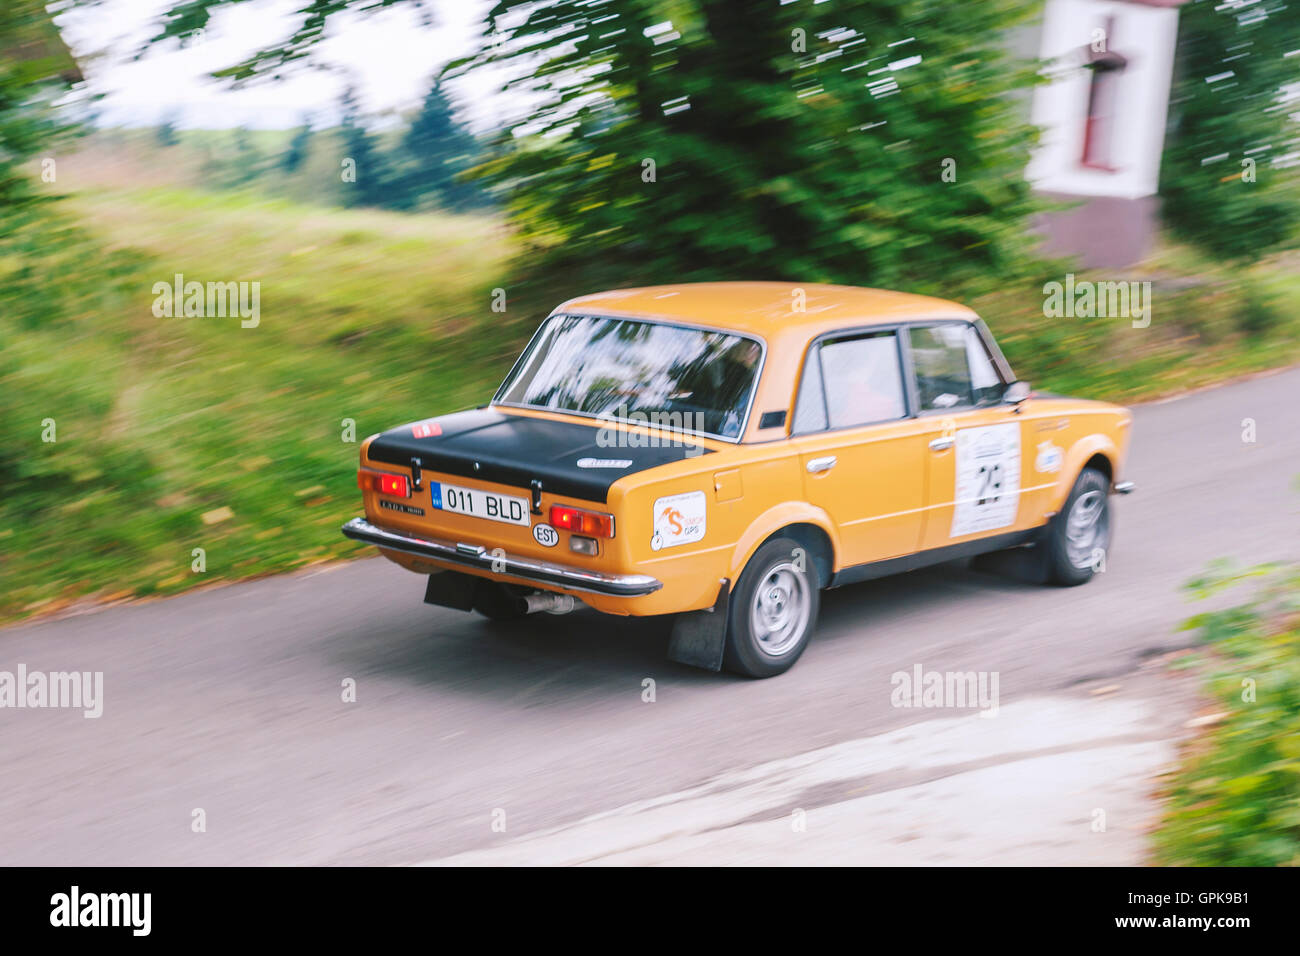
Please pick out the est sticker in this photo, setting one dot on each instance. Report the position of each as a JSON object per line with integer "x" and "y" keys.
{"x": 678, "y": 519}
{"x": 545, "y": 535}
{"x": 987, "y": 493}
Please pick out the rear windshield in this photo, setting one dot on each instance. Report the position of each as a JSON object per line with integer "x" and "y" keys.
{"x": 630, "y": 370}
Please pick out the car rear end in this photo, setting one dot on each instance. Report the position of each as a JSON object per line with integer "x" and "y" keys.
{"x": 528, "y": 491}
{"x": 457, "y": 507}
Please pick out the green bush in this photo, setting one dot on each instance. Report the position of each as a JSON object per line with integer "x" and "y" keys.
{"x": 132, "y": 435}
{"x": 1235, "y": 800}
{"x": 1260, "y": 312}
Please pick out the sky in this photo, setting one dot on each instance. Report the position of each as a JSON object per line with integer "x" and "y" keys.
{"x": 390, "y": 54}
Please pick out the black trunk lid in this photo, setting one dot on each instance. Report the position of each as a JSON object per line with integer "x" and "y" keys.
{"x": 517, "y": 450}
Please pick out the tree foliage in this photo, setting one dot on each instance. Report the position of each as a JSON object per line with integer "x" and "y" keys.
{"x": 369, "y": 181}
{"x": 165, "y": 132}
{"x": 33, "y": 69}
{"x": 749, "y": 138}
{"x": 742, "y": 138}
{"x": 434, "y": 151}
{"x": 1227, "y": 181}
{"x": 298, "y": 149}
{"x": 49, "y": 268}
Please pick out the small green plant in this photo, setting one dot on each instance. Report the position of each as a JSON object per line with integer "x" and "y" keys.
{"x": 1235, "y": 800}
{"x": 1259, "y": 310}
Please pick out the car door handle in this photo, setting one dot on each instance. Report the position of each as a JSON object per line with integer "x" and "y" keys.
{"x": 818, "y": 465}
{"x": 942, "y": 443}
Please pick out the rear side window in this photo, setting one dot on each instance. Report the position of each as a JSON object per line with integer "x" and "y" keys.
{"x": 810, "y": 406}
{"x": 953, "y": 368}
{"x": 849, "y": 382}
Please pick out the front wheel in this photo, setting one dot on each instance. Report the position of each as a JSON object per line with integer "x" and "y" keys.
{"x": 1078, "y": 537}
{"x": 773, "y": 610}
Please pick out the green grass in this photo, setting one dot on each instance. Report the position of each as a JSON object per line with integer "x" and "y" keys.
{"x": 1211, "y": 322}
{"x": 368, "y": 316}
{"x": 182, "y": 433}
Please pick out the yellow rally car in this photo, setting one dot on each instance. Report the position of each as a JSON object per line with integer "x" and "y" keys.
{"x": 721, "y": 452}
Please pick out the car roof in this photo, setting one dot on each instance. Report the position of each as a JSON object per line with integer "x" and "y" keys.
{"x": 767, "y": 309}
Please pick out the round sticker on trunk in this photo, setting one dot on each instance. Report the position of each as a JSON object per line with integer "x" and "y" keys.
{"x": 545, "y": 535}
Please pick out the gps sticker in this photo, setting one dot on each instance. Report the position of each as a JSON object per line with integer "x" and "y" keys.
{"x": 678, "y": 519}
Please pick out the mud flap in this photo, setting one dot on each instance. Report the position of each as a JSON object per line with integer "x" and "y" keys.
{"x": 1021, "y": 564}
{"x": 700, "y": 637}
{"x": 451, "y": 589}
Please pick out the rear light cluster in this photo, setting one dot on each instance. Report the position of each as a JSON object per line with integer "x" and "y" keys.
{"x": 398, "y": 486}
{"x": 578, "y": 521}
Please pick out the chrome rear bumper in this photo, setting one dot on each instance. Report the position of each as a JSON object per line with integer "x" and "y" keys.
{"x": 1124, "y": 487}
{"x": 515, "y": 566}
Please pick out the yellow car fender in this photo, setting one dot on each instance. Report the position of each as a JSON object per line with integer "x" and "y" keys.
{"x": 773, "y": 520}
{"x": 1079, "y": 455}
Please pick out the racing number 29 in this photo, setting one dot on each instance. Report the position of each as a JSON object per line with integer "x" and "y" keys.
{"x": 990, "y": 479}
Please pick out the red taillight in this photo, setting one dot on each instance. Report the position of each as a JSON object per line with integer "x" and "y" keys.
{"x": 398, "y": 486}
{"x": 591, "y": 523}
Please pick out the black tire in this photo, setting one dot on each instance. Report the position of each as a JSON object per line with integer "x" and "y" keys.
{"x": 1069, "y": 558}
{"x": 499, "y": 602}
{"x": 784, "y": 565}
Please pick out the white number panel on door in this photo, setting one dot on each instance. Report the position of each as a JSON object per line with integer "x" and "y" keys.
{"x": 987, "y": 494}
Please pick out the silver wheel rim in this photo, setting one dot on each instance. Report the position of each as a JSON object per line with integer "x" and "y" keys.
{"x": 1086, "y": 529}
{"x": 778, "y": 614}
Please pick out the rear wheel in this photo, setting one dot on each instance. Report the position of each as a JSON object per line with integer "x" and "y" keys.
{"x": 1078, "y": 537}
{"x": 773, "y": 610}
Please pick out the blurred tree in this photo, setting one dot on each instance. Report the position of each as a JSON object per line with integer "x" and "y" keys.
{"x": 364, "y": 172}
{"x": 1220, "y": 181}
{"x": 435, "y": 149}
{"x": 872, "y": 143}
{"x": 35, "y": 68}
{"x": 40, "y": 251}
{"x": 247, "y": 164}
{"x": 51, "y": 272}
{"x": 299, "y": 146}
{"x": 165, "y": 131}
{"x": 867, "y": 141}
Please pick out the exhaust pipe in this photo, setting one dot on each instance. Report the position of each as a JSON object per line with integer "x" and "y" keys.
{"x": 550, "y": 602}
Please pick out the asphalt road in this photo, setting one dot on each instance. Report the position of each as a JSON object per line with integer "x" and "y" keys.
{"x": 230, "y": 700}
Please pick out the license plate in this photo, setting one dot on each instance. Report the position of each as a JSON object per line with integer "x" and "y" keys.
{"x": 480, "y": 504}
